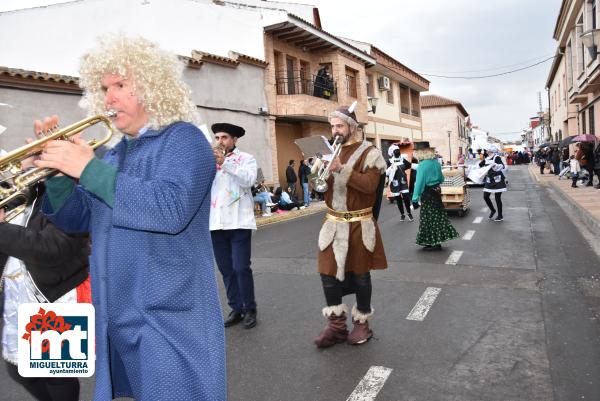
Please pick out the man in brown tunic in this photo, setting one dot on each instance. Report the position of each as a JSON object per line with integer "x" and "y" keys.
{"x": 350, "y": 244}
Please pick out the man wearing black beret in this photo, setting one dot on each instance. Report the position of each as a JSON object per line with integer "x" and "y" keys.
{"x": 232, "y": 221}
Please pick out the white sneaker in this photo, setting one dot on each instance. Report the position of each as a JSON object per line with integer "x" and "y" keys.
{"x": 267, "y": 214}
{"x": 270, "y": 204}
{"x": 302, "y": 207}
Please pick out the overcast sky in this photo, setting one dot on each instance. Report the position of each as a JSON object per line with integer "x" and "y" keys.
{"x": 461, "y": 38}
{"x": 457, "y": 38}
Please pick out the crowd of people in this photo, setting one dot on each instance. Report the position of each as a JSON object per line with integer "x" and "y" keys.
{"x": 580, "y": 163}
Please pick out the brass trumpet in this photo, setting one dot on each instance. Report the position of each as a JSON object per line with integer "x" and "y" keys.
{"x": 19, "y": 180}
{"x": 320, "y": 181}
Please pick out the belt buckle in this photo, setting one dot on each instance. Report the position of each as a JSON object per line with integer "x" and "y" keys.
{"x": 347, "y": 216}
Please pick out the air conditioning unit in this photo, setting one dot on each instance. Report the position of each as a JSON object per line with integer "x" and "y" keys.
{"x": 384, "y": 83}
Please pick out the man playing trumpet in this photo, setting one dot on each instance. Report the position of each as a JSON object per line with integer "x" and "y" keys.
{"x": 350, "y": 245}
{"x": 232, "y": 221}
{"x": 146, "y": 205}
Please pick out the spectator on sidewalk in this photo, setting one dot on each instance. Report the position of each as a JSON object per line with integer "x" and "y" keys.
{"x": 597, "y": 164}
{"x": 261, "y": 195}
{"x": 541, "y": 160}
{"x": 285, "y": 200}
{"x": 291, "y": 178}
{"x": 555, "y": 159}
{"x": 575, "y": 169}
{"x": 584, "y": 157}
{"x": 303, "y": 173}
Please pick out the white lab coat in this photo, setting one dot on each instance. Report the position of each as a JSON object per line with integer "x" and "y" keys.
{"x": 231, "y": 202}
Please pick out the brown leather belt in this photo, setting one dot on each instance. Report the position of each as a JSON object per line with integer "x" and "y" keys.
{"x": 350, "y": 216}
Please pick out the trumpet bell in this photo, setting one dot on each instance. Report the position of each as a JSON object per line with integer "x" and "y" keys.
{"x": 320, "y": 185}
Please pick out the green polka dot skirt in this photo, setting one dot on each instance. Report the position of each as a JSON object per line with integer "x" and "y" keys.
{"x": 434, "y": 226}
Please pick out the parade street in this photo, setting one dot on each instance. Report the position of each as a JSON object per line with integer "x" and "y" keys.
{"x": 507, "y": 312}
{"x": 515, "y": 317}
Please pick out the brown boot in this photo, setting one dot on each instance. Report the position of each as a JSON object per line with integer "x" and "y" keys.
{"x": 335, "y": 331}
{"x": 361, "y": 333}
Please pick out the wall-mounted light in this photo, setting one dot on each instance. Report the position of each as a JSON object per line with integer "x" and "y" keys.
{"x": 373, "y": 104}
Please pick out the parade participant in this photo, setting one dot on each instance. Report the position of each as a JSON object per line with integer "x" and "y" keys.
{"x": 434, "y": 226}
{"x": 494, "y": 182}
{"x": 41, "y": 264}
{"x": 350, "y": 244}
{"x": 399, "y": 181}
{"x": 146, "y": 205}
{"x": 232, "y": 221}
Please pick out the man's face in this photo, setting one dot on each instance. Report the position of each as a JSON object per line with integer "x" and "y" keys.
{"x": 119, "y": 96}
{"x": 340, "y": 128}
{"x": 225, "y": 140}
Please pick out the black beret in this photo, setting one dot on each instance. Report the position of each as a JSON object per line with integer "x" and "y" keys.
{"x": 231, "y": 129}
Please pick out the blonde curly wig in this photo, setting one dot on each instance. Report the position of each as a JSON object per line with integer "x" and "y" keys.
{"x": 156, "y": 76}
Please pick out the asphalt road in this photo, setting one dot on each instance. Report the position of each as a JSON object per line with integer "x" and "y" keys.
{"x": 515, "y": 318}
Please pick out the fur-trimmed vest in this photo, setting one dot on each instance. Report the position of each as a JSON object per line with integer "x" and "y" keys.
{"x": 356, "y": 247}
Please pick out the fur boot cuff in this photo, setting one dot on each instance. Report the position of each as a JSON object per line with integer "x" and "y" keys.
{"x": 337, "y": 310}
{"x": 359, "y": 316}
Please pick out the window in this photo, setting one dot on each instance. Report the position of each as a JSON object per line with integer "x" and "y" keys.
{"x": 291, "y": 87}
{"x": 592, "y": 120}
{"x": 370, "y": 91}
{"x": 569, "y": 59}
{"x": 583, "y": 124}
{"x": 390, "y": 94}
{"x": 351, "y": 82}
{"x": 415, "y": 108}
{"x": 580, "y": 48}
{"x": 593, "y": 14}
{"x": 404, "y": 99}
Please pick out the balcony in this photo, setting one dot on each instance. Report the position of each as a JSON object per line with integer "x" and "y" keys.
{"x": 320, "y": 87}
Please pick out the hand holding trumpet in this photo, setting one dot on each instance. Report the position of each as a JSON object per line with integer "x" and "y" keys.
{"x": 69, "y": 157}
{"x": 219, "y": 152}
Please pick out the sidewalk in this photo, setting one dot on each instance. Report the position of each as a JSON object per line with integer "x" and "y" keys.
{"x": 315, "y": 207}
{"x": 585, "y": 200}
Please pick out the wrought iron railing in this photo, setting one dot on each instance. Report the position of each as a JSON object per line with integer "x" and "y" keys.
{"x": 404, "y": 110}
{"x": 416, "y": 113}
{"x": 313, "y": 85}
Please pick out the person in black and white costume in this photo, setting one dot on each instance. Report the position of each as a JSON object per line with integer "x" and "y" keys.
{"x": 398, "y": 181}
{"x": 494, "y": 182}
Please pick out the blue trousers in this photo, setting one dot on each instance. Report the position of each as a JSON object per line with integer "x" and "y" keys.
{"x": 232, "y": 253}
{"x": 306, "y": 193}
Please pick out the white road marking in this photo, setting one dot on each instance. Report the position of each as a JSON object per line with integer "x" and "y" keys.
{"x": 469, "y": 235}
{"x": 477, "y": 220}
{"x": 454, "y": 257}
{"x": 421, "y": 308}
{"x": 371, "y": 384}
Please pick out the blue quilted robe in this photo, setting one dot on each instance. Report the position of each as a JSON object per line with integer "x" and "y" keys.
{"x": 159, "y": 328}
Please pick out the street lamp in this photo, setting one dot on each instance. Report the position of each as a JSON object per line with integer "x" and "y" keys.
{"x": 449, "y": 147}
{"x": 373, "y": 103}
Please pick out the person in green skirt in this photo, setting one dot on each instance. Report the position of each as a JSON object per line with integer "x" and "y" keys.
{"x": 434, "y": 226}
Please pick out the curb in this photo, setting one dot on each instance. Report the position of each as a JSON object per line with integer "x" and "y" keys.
{"x": 592, "y": 223}
{"x": 291, "y": 215}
